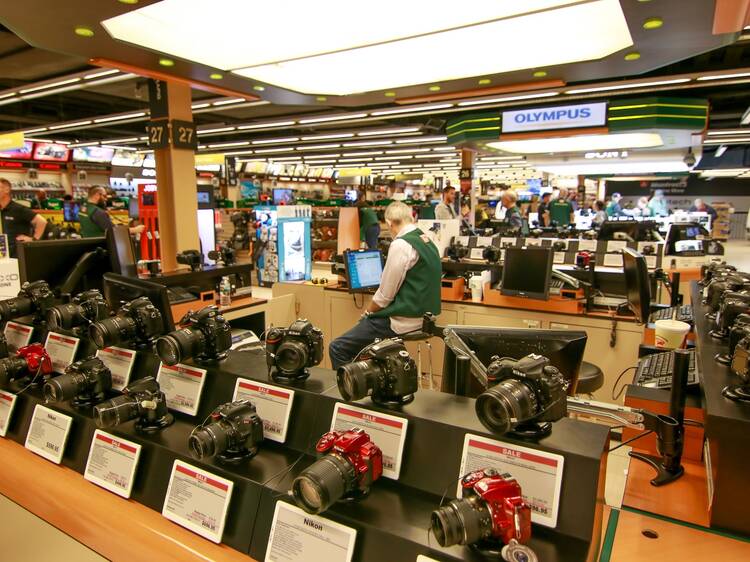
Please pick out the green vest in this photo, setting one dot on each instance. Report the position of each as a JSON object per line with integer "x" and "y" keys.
{"x": 559, "y": 211}
{"x": 367, "y": 217}
{"x": 420, "y": 291}
{"x": 89, "y": 228}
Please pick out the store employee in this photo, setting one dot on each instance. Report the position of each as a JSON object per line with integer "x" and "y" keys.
{"x": 409, "y": 288}
{"x": 445, "y": 210}
{"x": 513, "y": 217}
{"x": 18, "y": 221}
{"x": 93, "y": 217}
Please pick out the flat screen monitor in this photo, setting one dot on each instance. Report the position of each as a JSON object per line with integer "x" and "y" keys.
{"x": 23, "y": 153}
{"x": 283, "y": 196}
{"x": 70, "y": 211}
{"x": 128, "y": 158}
{"x": 119, "y": 290}
{"x": 51, "y": 152}
{"x": 564, "y": 349}
{"x": 351, "y": 195}
{"x": 133, "y": 208}
{"x": 527, "y": 272}
{"x": 121, "y": 251}
{"x": 638, "y": 231}
{"x": 364, "y": 268}
{"x": 637, "y": 284}
{"x": 99, "y": 154}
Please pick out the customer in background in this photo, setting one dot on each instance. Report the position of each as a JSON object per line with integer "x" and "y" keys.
{"x": 561, "y": 212}
{"x": 700, "y": 206}
{"x": 613, "y": 208}
{"x": 573, "y": 200}
{"x": 369, "y": 225}
{"x": 542, "y": 209}
{"x": 446, "y": 209}
{"x": 409, "y": 288}
{"x": 641, "y": 208}
{"x": 512, "y": 217}
{"x": 93, "y": 216}
{"x": 658, "y": 204}
{"x": 40, "y": 200}
{"x": 600, "y": 215}
{"x": 19, "y": 223}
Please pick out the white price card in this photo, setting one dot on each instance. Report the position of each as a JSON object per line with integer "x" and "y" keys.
{"x": 505, "y": 240}
{"x": 533, "y": 242}
{"x": 616, "y": 245}
{"x": 587, "y": 245}
{"x": 423, "y": 558}
{"x": 197, "y": 500}
{"x": 61, "y": 349}
{"x": 539, "y": 473}
{"x": 559, "y": 257}
{"x": 7, "y": 404}
{"x": 476, "y": 253}
{"x": 650, "y": 262}
{"x": 48, "y": 433}
{"x": 182, "y": 385}
{"x": 273, "y": 404}
{"x": 612, "y": 260}
{"x": 462, "y": 240}
{"x": 386, "y": 431}
{"x": 297, "y": 536}
{"x": 112, "y": 463}
{"x": 17, "y": 335}
{"x": 120, "y": 362}
{"x": 484, "y": 241}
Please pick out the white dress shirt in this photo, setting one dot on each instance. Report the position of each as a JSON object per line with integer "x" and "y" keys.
{"x": 401, "y": 258}
{"x": 500, "y": 211}
{"x": 443, "y": 211}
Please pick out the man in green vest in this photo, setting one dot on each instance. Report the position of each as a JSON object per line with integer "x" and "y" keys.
{"x": 561, "y": 212}
{"x": 93, "y": 216}
{"x": 409, "y": 288}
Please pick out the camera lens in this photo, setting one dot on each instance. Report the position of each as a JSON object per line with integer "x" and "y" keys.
{"x": 62, "y": 388}
{"x": 180, "y": 345}
{"x": 64, "y": 316}
{"x": 356, "y": 380}
{"x": 509, "y": 401}
{"x": 112, "y": 331}
{"x": 291, "y": 356}
{"x": 9, "y": 369}
{"x": 323, "y": 483}
{"x": 116, "y": 411}
{"x": 460, "y": 522}
{"x": 15, "y": 308}
{"x": 208, "y": 441}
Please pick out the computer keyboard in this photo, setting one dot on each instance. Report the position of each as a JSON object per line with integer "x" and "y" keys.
{"x": 655, "y": 371}
{"x": 684, "y": 314}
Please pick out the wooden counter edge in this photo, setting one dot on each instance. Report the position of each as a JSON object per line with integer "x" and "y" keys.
{"x": 116, "y": 528}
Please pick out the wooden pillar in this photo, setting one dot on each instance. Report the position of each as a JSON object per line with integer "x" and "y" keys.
{"x": 177, "y": 186}
{"x": 468, "y": 182}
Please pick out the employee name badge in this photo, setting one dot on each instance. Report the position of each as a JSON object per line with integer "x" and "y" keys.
{"x": 587, "y": 245}
{"x": 273, "y": 404}
{"x": 559, "y": 257}
{"x": 120, "y": 362}
{"x": 386, "y": 431}
{"x": 17, "y": 335}
{"x": 7, "y": 404}
{"x": 61, "y": 349}
{"x": 197, "y": 500}
{"x": 182, "y": 385}
{"x": 616, "y": 245}
{"x": 612, "y": 260}
{"x": 297, "y": 536}
{"x": 48, "y": 433}
{"x": 539, "y": 473}
{"x": 112, "y": 463}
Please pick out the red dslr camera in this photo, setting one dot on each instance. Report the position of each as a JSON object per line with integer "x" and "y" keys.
{"x": 31, "y": 360}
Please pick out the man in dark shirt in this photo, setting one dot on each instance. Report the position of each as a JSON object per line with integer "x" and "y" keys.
{"x": 19, "y": 223}
{"x": 543, "y": 208}
{"x": 94, "y": 218}
{"x": 700, "y": 206}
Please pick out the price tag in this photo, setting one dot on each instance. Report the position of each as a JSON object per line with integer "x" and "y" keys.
{"x": 182, "y": 385}
{"x": 299, "y": 536}
{"x": 484, "y": 240}
{"x": 274, "y": 405}
{"x": 7, "y": 404}
{"x": 559, "y": 257}
{"x": 612, "y": 260}
{"x": 512, "y": 241}
{"x": 539, "y": 473}
{"x": 387, "y": 432}
{"x": 17, "y": 335}
{"x": 476, "y": 253}
{"x": 616, "y": 245}
{"x": 48, "y": 433}
{"x": 423, "y": 558}
{"x": 61, "y": 349}
{"x": 120, "y": 361}
{"x": 112, "y": 463}
{"x": 650, "y": 262}
{"x": 587, "y": 245}
{"x": 197, "y": 500}
{"x": 529, "y": 242}
{"x": 463, "y": 240}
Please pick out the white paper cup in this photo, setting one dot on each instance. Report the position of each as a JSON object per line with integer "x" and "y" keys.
{"x": 475, "y": 284}
{"x": 670, "y": 334}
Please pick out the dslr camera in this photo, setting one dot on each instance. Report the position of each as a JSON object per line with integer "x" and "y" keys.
{"x": 137, "y": 322}
{"x": 85, "y": 308}
{"x": 224, "y": 254}
{"x": 739, "y": 330}
{"x": 191, "y": 258}
{"x": 386, "y": 372}
{"x": 232, "y": 435}
{"x": 290, "y": 351}
{"x": 492, "y": 254}
{"x": 33, "y": 298}
{"x": 204, "y": 335}
{"x": 349, "y": 464}
{"x": 28, "y": 362}
{"x": 522, "y": 394}
{"x": 143, "y": 401}
{"x": 84, "y": 382}
{"x": 456, "y": 252}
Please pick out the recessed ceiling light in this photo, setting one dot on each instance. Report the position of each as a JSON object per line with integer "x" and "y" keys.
{"x": 632, "y": 85}
{"x": 276, "y": 141}
{"x": 266, "y": 125}
{"x": 83, "y": 31}
{"x": 318, "y": 147}
{"x": 484, "y": 81}
{"x": 633, "y": 55}
{"x": 390, "y": 94}
{"x": 166, "y": 62}
{"x": 509, "y": 98}
{"x": 333, "y": 118}
{"x": 331, "y": 136}
{"x": 216, "y": 76}
{"x": 129, "y": 2}
{"x": 723, "y": 76}
{"x": 540, "y": 74}
{"x": 259, "y": 88}
{"x": 434, "y": 88}
{"x": 321, "y": 98}
{"x": 653, "y": 23}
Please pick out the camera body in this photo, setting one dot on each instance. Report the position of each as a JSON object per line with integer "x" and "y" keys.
{"x": 583, "y": 259}
{"x": 4, "y": 351}
{"x": 29, "y": 361}
{"x": 233, "y": 434}
{"x": 492, "y": 254}
{"x": 204, "y": 335}
{"x": 85, "y": 382}
{"x": 456, "y": 252}
{"x": 290, "y": 351}
{"x": 713, "y": 269}
{"x": 85, "y": 308}
{"x": 34, "y": 298}
{"x": 386, "y": 372}
{"x": 719, "y": 285}
{"x": 492, "y": 509}
{"x": 137, "y": 321}
{"x": 191, "y": 258}
{"x": 732, "y": 306}
{"x": 143, "y": 401}
{"x": 224, "y": 254}
{"x": 739, "y": 330}
{"x": 740, "y": 364}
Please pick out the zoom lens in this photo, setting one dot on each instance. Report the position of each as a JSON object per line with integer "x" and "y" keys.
{"x": 323, "y": 483}
{"x": 116, "y": 411}
{"x": 9, "y": 369}
{"x": 291, "y": 356}
{"x": 356, "y": 380}
{"x": 64, "y": 316}
{"x": 461, "y": 522}
{"x": 499, "y": 407}
{"x": 208, "y": 441}
{"x": 15, "y": 308}
{"x": 65, "y": 387}
{"x": 111, "y": 331}
{"x": 180, "y": 345}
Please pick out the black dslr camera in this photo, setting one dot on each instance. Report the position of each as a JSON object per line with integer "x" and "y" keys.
{"x": 456, "y": 252}
{"x": 33, "y": 298}
{"x": 204, "y": 335}
{"x": 224, "y": 254}
{"x": 739, "y": 330}
{"x": 492, "y": 254}
{"x": 142, "y": 401}
{"x": 290, "y": 351}
{"x": 741, "y": 367}
{"x": 385, "y": 371}
{"x": 85, "y": 382}
{"x": 191, "y": 258}
{"x": 522, "y": 396}
{"x": 137, "y": 321}
{"x": 233, "y": 434}
{"x": 241, "y": 236}
{"x": 85, "y": 308}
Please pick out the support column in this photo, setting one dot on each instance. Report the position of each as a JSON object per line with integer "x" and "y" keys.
{"x": 468, "y": 182}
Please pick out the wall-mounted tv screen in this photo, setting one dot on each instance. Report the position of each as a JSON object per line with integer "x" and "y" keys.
{"x": 99, "y": 154}
{"x": 23, "y": 153}
{"x": 129, "y": 158}
{"x": 51, "y": 152}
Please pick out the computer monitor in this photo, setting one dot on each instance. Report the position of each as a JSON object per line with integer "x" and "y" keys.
{"x": 364, "y": 269}
{"x": 638, "y": 231}
{"x": 637, "y": 284}
{"x": 70, "y": 211}
{"x": 121, "y": 251}
{"x": 527, "y": 272}
{"x": 283, "y": 196}
{"x": 351, "y": 195}
{"x": 119, "y": 290}
{"x": 564, "y": 349}
{"x": 681, "y": 234}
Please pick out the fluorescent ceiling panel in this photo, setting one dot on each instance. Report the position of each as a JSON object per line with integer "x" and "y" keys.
{"x": 580, "y": 143}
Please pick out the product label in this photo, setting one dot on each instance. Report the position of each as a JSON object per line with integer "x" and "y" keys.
{"x": 273, "y": 404}
{"x": 423, "y": 558}
{"x": 297, "y": 536}
{"x": 529, "y": 242}
{"x": 539, "y": 473}
{"x": 505, "y": 241}
{"x": 616, "y": 245}
{"x": 182, "y": 385}
{"x": 198, "y": 500}
{"x": 120, "y": 361}
{"x": 476, "y": 253}
{"x": 48, "y": 433}
{"x": 7, "y": 404}
{"x": 112, "y": 463}
{"x": 483, "y": 241}
{"x": 587, "y": 245}
{"x": 386, "y": 431}
{"x": 559, "y": 257}
{"x": 612, "y": 260}
{"x": 17, "y": 335}
{"x": 61, "y": 349}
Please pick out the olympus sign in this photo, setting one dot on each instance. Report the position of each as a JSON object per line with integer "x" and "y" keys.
{"x": 559, "y": 117}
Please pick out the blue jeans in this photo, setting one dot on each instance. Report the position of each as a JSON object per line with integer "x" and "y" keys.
{"x": 372, "y": 233}
{"x": 345, "y": 348}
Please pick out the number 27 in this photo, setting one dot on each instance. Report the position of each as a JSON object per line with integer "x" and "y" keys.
{"x": 185, "y": 134}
